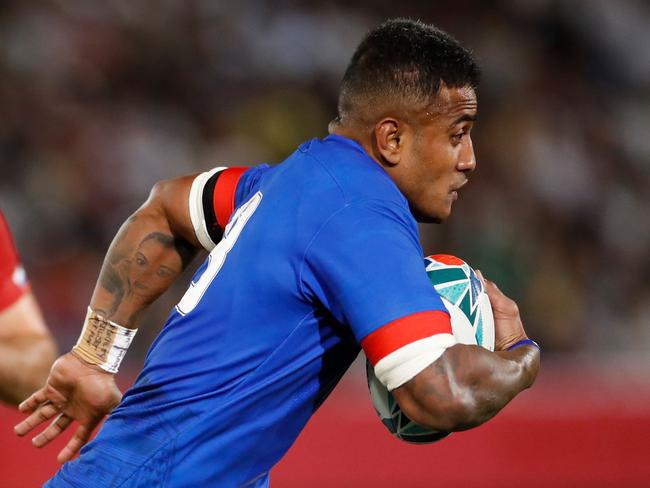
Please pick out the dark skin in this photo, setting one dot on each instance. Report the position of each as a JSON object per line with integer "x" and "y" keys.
{"x": 469, "y": 385}
{"x": 427, "y": 151}
{"x": 135, "y": 280}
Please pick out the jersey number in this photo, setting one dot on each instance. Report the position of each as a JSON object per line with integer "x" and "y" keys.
{"x": 217, "y": 257}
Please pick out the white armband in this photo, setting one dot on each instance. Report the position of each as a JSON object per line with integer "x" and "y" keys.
{"x": 197, "y": 214}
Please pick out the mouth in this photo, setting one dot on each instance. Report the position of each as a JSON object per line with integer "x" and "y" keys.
{"x": 454, "y": 190}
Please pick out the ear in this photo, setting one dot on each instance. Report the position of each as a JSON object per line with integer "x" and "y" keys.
{"x": 388, "y": 140}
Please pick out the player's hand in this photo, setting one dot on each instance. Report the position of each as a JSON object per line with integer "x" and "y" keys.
{"x": 508, "y": 328}
{"x": 74, "y": 390}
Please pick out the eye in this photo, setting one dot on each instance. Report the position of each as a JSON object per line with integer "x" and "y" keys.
{"x": 458, "y": 137}
{"x": 163, "y": 272}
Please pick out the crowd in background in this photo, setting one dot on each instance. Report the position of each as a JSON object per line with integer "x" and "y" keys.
{"x": 100, "y": 99}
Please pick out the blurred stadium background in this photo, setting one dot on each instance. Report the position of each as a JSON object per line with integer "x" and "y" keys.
{"x": 100, "y": 99}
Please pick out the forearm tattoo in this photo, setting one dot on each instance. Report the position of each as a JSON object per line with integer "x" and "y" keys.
{"x": 137, "y": 269}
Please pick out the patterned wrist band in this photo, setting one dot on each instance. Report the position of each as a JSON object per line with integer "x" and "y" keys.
{"x": 524, "y": 342}
{"x": 103, "y": 342}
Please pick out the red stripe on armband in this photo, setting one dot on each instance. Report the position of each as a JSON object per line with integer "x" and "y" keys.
{"x": 224, "y": 194}
{"x": 397, "y": 334}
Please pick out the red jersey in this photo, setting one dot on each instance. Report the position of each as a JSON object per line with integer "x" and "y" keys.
{"x": 13, "y": 281}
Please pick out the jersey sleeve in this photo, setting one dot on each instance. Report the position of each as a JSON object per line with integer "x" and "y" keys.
{"x": 13, "y": 280}
{"x": 365, "y": 265}
{"x": 212, "y": 201}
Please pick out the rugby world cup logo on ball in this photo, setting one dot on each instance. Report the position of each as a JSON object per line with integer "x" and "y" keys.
{"x": 464, "y": 295}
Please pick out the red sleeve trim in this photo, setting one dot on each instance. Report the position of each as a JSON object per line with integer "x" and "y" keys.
{"x": 397, "y": 334}
{"x": 224, "y": 194}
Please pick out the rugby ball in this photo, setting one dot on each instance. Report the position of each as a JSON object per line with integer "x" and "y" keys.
{"x": 464, "y": 295}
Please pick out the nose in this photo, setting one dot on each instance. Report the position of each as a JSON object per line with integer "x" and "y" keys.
{"x": 467, "y": 159}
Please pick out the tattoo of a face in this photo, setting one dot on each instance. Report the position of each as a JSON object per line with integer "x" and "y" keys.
{"x": 141, "y": 272}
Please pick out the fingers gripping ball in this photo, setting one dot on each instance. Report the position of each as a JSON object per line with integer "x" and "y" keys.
{"x": 464, "y": 295}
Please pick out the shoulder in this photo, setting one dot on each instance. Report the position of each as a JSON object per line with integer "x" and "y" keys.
{"x": 356, "y": 174}
{"x": 371, "y": 215}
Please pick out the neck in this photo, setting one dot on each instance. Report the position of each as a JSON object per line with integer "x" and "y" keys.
{"x": 363, "y": 138}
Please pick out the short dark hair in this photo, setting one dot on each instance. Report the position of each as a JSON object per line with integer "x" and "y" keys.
{"x": 405, "y": 59}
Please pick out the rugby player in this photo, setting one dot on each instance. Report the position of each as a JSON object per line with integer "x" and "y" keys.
{"x": 27, "y": 349}
{"x": 310, "y": 261}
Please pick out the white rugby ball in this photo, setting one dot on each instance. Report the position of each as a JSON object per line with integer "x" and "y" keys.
{"x": 464, "y": 295}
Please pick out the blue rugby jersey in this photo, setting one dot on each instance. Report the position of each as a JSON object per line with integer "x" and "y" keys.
{"x": 321, "y": 252}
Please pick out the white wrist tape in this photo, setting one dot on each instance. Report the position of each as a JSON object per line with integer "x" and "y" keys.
{"x": 103, "y": 342}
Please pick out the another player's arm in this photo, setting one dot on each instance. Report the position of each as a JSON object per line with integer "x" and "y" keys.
{"x": 26, "y": 346}
{"x": 27, "y": 349}
{"x": 468, "y": 385}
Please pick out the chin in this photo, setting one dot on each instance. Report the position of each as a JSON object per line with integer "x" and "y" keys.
{"x": 433, "y": 216}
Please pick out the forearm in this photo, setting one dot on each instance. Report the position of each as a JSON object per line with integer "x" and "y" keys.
{"x": 467, "y": 386}
{"x": 24, "y": 366}
{"x": 492, "y": 381}
{"x": 148, "y": 253}
{"x": 27, "y": 350}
